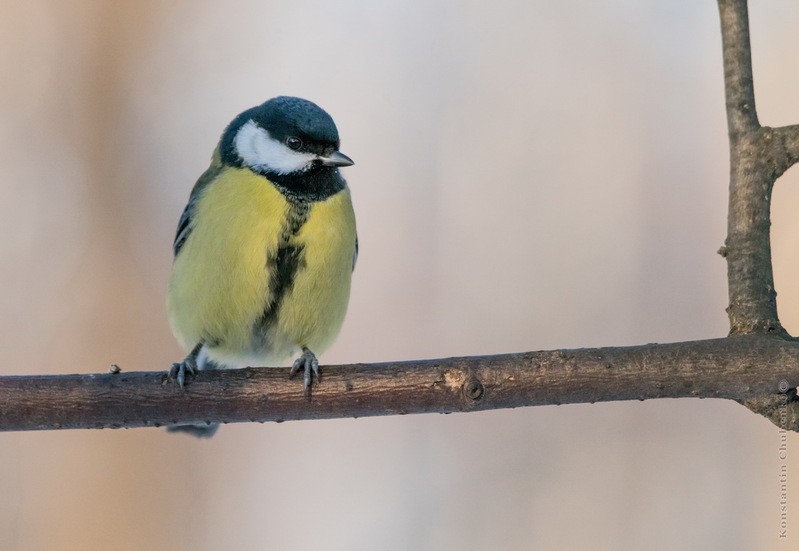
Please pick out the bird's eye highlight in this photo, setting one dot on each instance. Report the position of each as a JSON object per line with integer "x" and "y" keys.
{"x": 294, "y": 143}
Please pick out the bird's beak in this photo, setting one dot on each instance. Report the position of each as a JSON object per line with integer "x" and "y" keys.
{"x": 337, "y": 158}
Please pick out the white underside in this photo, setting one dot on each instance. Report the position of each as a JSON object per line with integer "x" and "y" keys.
{"x": 238, "y": 361}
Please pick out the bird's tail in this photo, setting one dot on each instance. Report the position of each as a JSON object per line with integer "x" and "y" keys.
{"x": 200, "y": 431}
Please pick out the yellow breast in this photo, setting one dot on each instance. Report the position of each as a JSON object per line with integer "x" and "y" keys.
{"x": 221, "y": 286}
{"x": 313, "y": 309}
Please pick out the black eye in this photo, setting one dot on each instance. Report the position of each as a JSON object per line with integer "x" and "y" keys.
{"x": 293, "y": 142}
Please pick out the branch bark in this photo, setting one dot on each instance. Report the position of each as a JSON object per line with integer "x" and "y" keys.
{"x": 756, "y": 369}
{"x": 758, "y": 156}
{"x": 757, "y": 365}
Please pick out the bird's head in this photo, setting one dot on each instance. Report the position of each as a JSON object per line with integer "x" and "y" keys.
{"x": 284, "y": 136}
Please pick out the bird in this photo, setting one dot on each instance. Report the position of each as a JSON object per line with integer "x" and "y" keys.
{"x": 265, "y": 247}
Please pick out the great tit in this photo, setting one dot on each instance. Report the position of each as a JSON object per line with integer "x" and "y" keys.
{"x": 265, "y": 247}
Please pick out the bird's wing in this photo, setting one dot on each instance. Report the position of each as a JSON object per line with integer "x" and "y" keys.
{"x": 355, "y": 256}
{"x": 184, "y": 227}
{"x": 185, "y": 223}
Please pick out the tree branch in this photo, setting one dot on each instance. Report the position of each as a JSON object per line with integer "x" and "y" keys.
{"x": 758, "y": 365}
{"x": 786, "y": 144}
{"x": 748, "y": 368}
{"x": 738, "y": 80}
{"x": 756, "y": 161}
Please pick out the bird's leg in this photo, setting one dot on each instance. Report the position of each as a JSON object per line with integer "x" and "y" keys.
{"x": 178, "y": 370}
{"x": 309, "y": 365}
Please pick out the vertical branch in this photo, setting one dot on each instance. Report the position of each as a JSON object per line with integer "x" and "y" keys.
{"x": 753, "y": 302}
{"x": 738, "y": 80}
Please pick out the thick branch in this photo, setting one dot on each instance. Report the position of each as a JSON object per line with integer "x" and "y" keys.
{"x": 756, "y": 161}
{"x": 756, "y": 366}
{"x": 748, "y": 368}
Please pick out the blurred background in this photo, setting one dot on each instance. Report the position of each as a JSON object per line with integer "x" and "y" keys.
{"x": 529, "y": 175}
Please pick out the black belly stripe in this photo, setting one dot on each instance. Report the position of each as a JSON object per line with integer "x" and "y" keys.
{"x": 283, "y": 264}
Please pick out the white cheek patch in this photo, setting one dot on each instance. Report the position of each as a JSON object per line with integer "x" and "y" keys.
{"x": 261, "y": 152}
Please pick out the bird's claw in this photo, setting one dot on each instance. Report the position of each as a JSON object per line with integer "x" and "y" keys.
{"x": 178, "y": 371}
{"x": 309, "y": 366}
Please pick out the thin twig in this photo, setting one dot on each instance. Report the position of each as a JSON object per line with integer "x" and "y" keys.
{"x": 786, "y": 147}
{"x": 738, "y": 81}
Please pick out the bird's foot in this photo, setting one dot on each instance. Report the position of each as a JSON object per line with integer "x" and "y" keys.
{"x": 178, "y": 370}
{"x": 309, "y": 366}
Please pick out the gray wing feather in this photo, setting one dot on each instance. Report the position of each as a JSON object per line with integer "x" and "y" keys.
{"x": 185, "y": 224}
{"x": 184, "y": 228}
